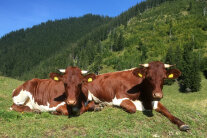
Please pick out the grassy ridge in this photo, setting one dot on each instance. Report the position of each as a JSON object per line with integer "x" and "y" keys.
{"x": 112, "y": 122}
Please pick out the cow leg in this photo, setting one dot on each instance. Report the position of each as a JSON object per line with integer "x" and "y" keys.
{"x": 128, "y": 106}
{"x": 61, "y": 110}
{"x": 89, "y": 107}
{"x": 181, "y": 125}
{"x": 20, "y": 108}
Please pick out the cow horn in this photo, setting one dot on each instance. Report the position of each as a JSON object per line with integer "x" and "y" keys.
{"x": 62, "y": 70}
{"x": 168, "y": 65}
{"x": 144, "y": 65}
{"x": 84, "y": 71}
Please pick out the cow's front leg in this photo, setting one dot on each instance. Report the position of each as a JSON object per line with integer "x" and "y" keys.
{"x": 20, "y": 108}
{"x": 128, "y": 106}
{"x": 61, "y": 110}
{"x": 181, "y": 125}
{"x": 89, "y": 107}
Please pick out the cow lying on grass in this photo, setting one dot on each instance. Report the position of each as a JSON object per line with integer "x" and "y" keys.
{"x": 135, "y": 89}
{"x": 43, "y": 95}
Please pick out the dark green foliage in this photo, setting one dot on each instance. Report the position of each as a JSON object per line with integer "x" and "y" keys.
{"x": 190, "y": 79}
{"x": 196, "y": 77}
{"x": 96, "y": 66}
{"x": 22, "y": 50}
{"x": 204, "y": 66}
{"x": 188, "y": 63}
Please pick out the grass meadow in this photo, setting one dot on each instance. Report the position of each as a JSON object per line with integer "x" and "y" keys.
{"x": 110, "y": 122}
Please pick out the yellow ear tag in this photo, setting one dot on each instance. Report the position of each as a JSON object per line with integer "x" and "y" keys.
{"x": 56, "y": 78}
{"x": 90, "y": 79}
{"x": 140, "y": 75}
{"x": 171, "y": 76}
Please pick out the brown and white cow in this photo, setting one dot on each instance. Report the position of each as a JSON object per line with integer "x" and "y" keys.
{"x": 135, "y": 89}
{"x": 41, "y": 95}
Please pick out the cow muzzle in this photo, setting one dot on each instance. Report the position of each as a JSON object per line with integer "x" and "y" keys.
{"x": 157, "y": 95}
{"x": 71, "y": 102}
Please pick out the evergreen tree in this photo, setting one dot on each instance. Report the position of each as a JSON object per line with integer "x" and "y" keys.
{"x": 190, "y": 79}
{"x": 96, "y": 66}
{"x": 196, "y": 78}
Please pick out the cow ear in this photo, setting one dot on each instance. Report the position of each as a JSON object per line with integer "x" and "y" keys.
{"x": 139, "y": 72}
{"x": 55, "y": 76}
{"x": 89, "y": 78}
{"x": 173, "y": 73}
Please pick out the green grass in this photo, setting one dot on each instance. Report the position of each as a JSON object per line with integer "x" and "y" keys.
{"x": 110, "y": 122}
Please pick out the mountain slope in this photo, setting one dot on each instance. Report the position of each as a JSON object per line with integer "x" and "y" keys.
{"x": 23, "y": 49}
{"x": 142, "y": 34}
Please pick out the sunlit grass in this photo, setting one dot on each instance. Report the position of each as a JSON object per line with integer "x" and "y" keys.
{"x": 110, "y": 122}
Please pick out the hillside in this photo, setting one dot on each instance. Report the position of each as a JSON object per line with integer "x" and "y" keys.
{"x": 22, "y": 50}
{"x": 110, "y": 122}
{"x": 101, "y": 44}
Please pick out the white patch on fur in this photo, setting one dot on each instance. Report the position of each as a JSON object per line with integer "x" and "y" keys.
{"x": 139, "y": 105}
{"x": 24, "y": 95}
{"x": 91, "y": 97}
{"x": 118, "y": 102}
{"x": 154, "y": 104}
{"x": 20, "y": 98}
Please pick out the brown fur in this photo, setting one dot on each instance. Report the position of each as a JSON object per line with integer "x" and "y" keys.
{"x": 129, "y": 84}
{"x": 43, "y": 91}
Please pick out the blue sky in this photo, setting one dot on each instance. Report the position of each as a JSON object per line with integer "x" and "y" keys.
{"x": 17, "y": 14}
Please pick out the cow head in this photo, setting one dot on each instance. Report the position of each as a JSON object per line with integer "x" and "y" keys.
{"x": 154, "y": 74}
{"x": 72, "y": 78}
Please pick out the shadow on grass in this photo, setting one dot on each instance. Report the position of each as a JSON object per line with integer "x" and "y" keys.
{"x": 148, "y": 113}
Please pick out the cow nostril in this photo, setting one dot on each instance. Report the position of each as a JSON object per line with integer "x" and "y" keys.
{"x": 71, "y": 102}
{"x": 157, "y": 95}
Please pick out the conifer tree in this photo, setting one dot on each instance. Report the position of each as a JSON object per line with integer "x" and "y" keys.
{"x": 190, "y": 79}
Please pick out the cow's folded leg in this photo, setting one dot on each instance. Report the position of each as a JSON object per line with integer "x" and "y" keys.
{"x": 61, "y": 110}
{"x": 181, "y": 125}
{"x": 89, "y": 107}
{"x": 128, "y": 106}
{"x": 20, "y": 108}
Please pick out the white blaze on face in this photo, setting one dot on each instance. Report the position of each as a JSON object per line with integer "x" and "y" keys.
{"x": 24, "y": 96}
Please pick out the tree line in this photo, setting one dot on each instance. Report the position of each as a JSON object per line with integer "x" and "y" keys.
{"x": 172, "y": 31}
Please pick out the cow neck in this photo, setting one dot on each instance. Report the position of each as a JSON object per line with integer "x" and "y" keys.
{"x": 146, "y": 94}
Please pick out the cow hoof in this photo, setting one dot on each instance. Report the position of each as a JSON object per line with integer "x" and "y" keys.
{"x": 184, "y": 128}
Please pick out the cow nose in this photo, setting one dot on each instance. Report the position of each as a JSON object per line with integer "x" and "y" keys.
{"x": 157, "y": 95}
{"x": 71, "y": 102}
